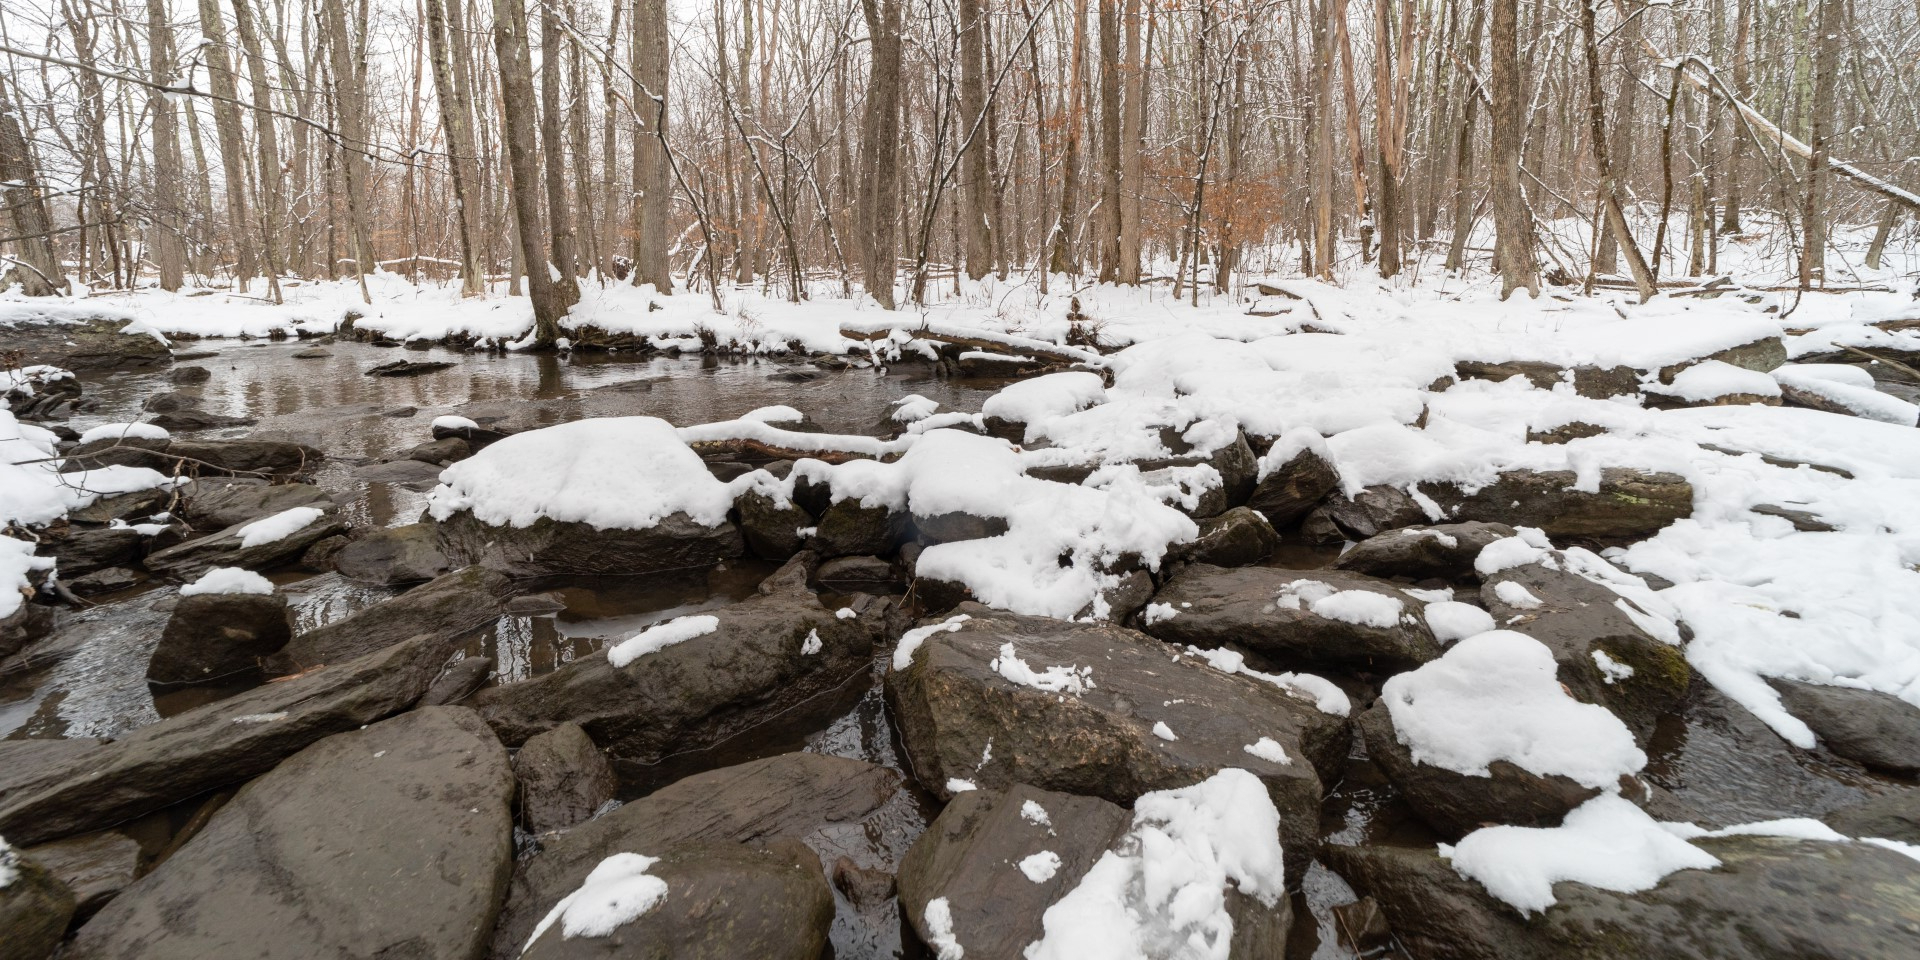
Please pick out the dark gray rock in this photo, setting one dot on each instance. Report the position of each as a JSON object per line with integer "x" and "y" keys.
{"x": 216, "y": 503}
{"x": 1629, "y": 504}
{"x": 249, "y": 457}
{"x": 1236, "y": 538}
{"x": 97, "y": 344}
{"x": 1893, "y": 816}
{"x": 123, "y": 506}
{"x": 189, "y": 374}
{"x": 772, "y": 531}
{"x": 1293, "y": 488}
{"x": 409, "y": 368}
{"x": 188, "y": 420}
{"x": 169, "y": 401}
{"x": 1875, "y": 729}
{"x": 216, "y": 745}
{"x": 1762, "y": 355}
{"x": 554, "y": 548}
{"x": 850, "y": 528}
{"x": 1373, "y": 511}
{"x": 219, "y": 636}
{"x": 1445, "y": 551}
{"x": 441, "y": 452}
{"x": 25, "y": 626}
{"x": 446, "y": 609}
{"x": 95, "y": 867}
{"x": 563, "y": 778}
{"x": 86, "y": 549}
{"x": 104, "y": 581}
{"x": 410, "y": 474}
{"x": 34, "y": 909}
{"x": 792, "y": 795}
{"x": 187, "y": 561}
{"x": 393, "y": 841}
{"x": 856, "y": 575}
{"x": 1588, "y": 381}
{"x": 1215, "y": 606}
{"x": 25, "y": 765}
{"x": 394, "y": 555}
{"x": 458, "y": 682}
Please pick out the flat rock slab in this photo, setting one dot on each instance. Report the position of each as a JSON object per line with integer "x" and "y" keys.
{"x": 392, "y": 841}
{"x": 554, "y": 548}
{"x": 792, "y": 795}
{"x": 1445, "y": 551}
{"x": 409, "y": 368}
{"x": 215, "y": 503}
{"x": 1213, "y": 606}
{"x": 95, "y": 867}
{"x": 962, "y": 719}
{"x": 187, "y": 561}
{"x": 1628, "y": 504}
{"x": 34, "y": 909}
{"x": 393, "y": 555}
{"x": 216, "y": 745}
{"x": 93, "y": 344}
{"x": 1872, "y": 728}
{"x": 447, "y": 608}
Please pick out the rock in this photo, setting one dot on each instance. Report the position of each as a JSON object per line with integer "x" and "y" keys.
{"x": 1456, "y": 804}
{"x": 792, "y": 795}
{"x": 772, "y": 531}
{"x": 1629, "y": 504}
{"x": 1319, "y": 529}
{"x": 1291, "y": 489}
{"x": 537, "y": 604}
{"x": 723, "y": 901}
{"x": 1771, "y": 899}
{"x": 1804, "y": 521}
{"x": 446, "y": 609}
{"x": 563, "y": 778}
{"x": 1894, "y": 816}
{"x": 168, "y": 401}
{"x": 1237, "y": 465}
{"x": 1217, "y": 605}
{"x": 1445, "y": 551}
{"x": 1762, "y": 355}
{"x": 458, "y": 682}
{"x": 1577, "y": 618}
{"x": 1236, "y": 538}
{"x": 312, "y": 353}
{"x": 188, "y": 420}
{"x": 476, "y": 436}
{"x": 95, "y": 867}
{"x": 125, "y": 506}
{"x": 1598, "y": 383}
{"x": 27, "y": 764}
{"x": 393, "y": 841}
{"x": 1373, "y": 511}
{"x": 93, "y": 344}
{"x": 34, "y": 909}
{"x": 1565, "y": 432}
{"x": 951, "y": 527}
{"x": 222, "y": 743}
{"x": 272, "y": 458}
{"x": 1875, "y": 729}
{"x": 319, "y": 557}
{"x": 104, "y": 581}
{"x": 409, "y": 368}
{"x": 215, "y": 503}
{"x": 411, "y": 474}
{"x": 394, "y": 555}
{"x": 86, "y": 549}
{"x": 189, "y": 560}
{"x": 856, "y": 575}
{"x": 850, "y": 528}
{"x": 445, "y": 451}
{"x": 953, "y": 701}
{"x": 868, "y": 889}
{"x": 218, "y": 636}
{"x": 189, "y": 374}
{"x": 145, "y": 452}
{"x": 555, "y": 548}
{"x": 751, "y": 674}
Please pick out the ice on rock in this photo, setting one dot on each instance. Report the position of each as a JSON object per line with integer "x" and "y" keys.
{"x": 617, "y": 892}
{"x": 623, "y": 473}
{"x": 228, "y": 580}
{"x": 1496, "y": 697}
{"x": 1606, "y": 842}
{"x": 278, "y": 527}
{"x": 661, "y": 636}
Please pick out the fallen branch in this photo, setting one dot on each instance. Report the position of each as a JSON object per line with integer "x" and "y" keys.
{"x": 979, "y": 339}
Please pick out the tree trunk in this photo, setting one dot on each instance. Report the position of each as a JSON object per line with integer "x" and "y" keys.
{"x": 233, "y": 149}
{"x": 1321, "y": 166}
{"x": 1110, "y": 212}
{"x": 880, "y": 149}
{"x": 350, "y": 120}
{"x": 652, "y": 186}
{"x": 1743, "y": 86}
{"x": 266, "y": 140}
{"x": 1389, "y": 133}
{"x": 1513, "y": 244}
{"x": 455, "y": 116}
{"x": 1463, "y": 146}
{"x": 976, "y": 215}
{"x": 166, "y": 193}
{"x": 520, "y": 108}
{"x": 1063, "y": 258}
{"x": 35, "y": 266}
{"x": 1826, "y": 71}
{"x": 1133, "y": 156}
{"x": 1616, "y": 221}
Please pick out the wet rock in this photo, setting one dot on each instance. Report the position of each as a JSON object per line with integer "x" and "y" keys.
{"x": 476, "y": 437}
{"x": 1771, "y": 899}
{"x": 319, "y": 557}
{"x": 190, "y": 420}
{"x": 391, "y": 841}
{"x": 1629, "y": 504}
{"x": 272, "y": 458}
{"x": 961, "y": 718}
{"x": 1893, "y": 816}
{"x": 724, "y": 901}
{"x": 125, "y": 506}
{"x": 411, "y": 474}
{"x": 221, "y": 743}
{"x": 445, "y": 609}
{"x": 219, "y": 636}
{"x": 850, "y": 528}
{"x": 98, "y": 344}
{"x": 1373, "y": 511}
{"x": 1271, "y": 611}
{"x": 554, "y": 548}
{"x": 867, "y": 888}
{"x": 214, "y": 503}
{"x": 311, "y": 353}
{"x": 440, "y": 452}
{"x": 34, "y": 909}
{"x": 1445, "y": 551}
{"x": 1456, "y": 804}
{"x": 25, "y": 626}
{"x": 792, "y": 795}
{"x": 1577, "y": 618}
{"x": 749, "y": 677}
{"x": 394, "y": 555}
{"x": 26, "y": 765}
{"x": 189, "y": 375}
{"x": 461, "y": 678}
{"x": 1588, "y": 381}
{"x": 104, "y": 581}
{"x": 84, "y": 550}
{"x": 1874, "y": 729}
{"x": 856, "y": 575}
{"x": 189, "y": 560}
{"x": 1236, "y": 538}
{"x": 537, "y": 604}
{"x": 772, "y": 531}
{"x": 563, "y": 778}
{"x": 95, "y": 867}
{"x": 118, "y": 452}
{"x": 1293, "y": 488}
{"x": 1318, "y": 528}
{"x": 170, "y": 400}
{"x": 409, "y": 368}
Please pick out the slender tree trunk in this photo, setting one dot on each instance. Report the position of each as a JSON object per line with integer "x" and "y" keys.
{"x": 35, "y": 266}
{"x": 520, "y": 106}
{"x": 562, "y": 254}
{"x": 880, "y": 149}
{"x": 1743, "y": 86}
{"x": 1513, "y": 244}
{"x": 272, "y": 202}
{"x": 166, "y": 195}
{"x": 350, "y": 118}
{"x": 233, "y": 149}
{"x": 1133, "y": 147}
{"x": 1389, "y": 133}
{"x": 455, "y": 116}
{"x": 1616, "y": 221}
{"x": 1463, "y": 146}
{"x": 1320, "y": 167}
{"x": 1110, "y": 212}
{"x": 1826, "y": 71}
{"x": 1063, "y": 258}
{"x": 652, "y": 185}
{"x": 976, "y": 216}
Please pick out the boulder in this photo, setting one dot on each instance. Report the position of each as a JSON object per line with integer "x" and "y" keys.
{"x": 215, "y": 745}
{"x": 23, "y": 627}
{"x": 1373, "y": 511}
{"x": 1874, "y": 729}
{"x": 391, "y": 841}
{"x": 1237, "y": 538}
{"x": 170, "y": 400}
{"x": 189, "y": 375}
{"x": 767, "y": 669}
{"x": 95, "y": 867}
{"x": 104, "y": 581}
{"x": 410, "y": 474}
{"x": 187, "y": 561}
{"x": 1762, "y": 355}
{"x": 850, "y": 528}
{"x": 1771, "y": 899}
{"x": 1273, "y": 612}
{"x": 964, "y": 719}
{"x": 188, "y": 420}
{"x": 122, "y": 506}
{"x": 447, "y": 609}
{"x": 218, "y": 502}
{"x": 1893, "y": 816}
{"x": 214, "y": 637}
{"x": 1598, "y": 383}
{"x": 723, "y": 901}
{"x": 856, "y": 575}
{"x": 1445, "y": 551}
{"x": 102, "y": 343}
{"x": 34, "y": 908}
{"x": 440, "y": 452}
{"x": 86, "y": 549}
{"x": 1235, "y": 462}
{"x": 550, "y": 547}
{"x": 458, "y": 681}
{"x": 273, "y": 458}
{"x": 26, "y": 765}
{"x": 772, "y": 531}
{"x": 1292, "y": 488}
{"x": 792, "y": 795}
{"x": 1629, "y": 504}
{"x": 563, "y": 778}
{"x": 393, "y": 555}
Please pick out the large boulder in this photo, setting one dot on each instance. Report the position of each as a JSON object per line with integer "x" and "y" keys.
{"x": 1236, "y": 538}
{"x": 765, "y": 668}
{"x": 35, "y": 907}
{"x": 99, "y": 343}
{"x": 1628, "y": 504}
{"x": 792, "y": 795}
{"x": 82, "y": 550}
{"x": 213, "y": 503}
{"x": 1875, "y": 729}
{"x": 1293, "y": 482}
{"x": 1296, "y": 617}
{"x": 850, "y": 527}
{"x": 215, "y": 745}
{"x": 773, "y": 531}
{"x": 246, "y": 457}
{"x": 231, "y": 547}
{"x": 550, "y": 547}
{"x": 1102, "y": 711}
{"x": 26, "y": 624}
{"x": 448, "y": 609}
{"x": 563, "y": 778}
{"x": 1445, "y": 551}
{"x": 25, "y": 765}
{"x": 218, "y": 636}
{"x": 723, "y": 901}
{"x": 394, "y": 555}
{"x": 391, "y": 841}
{"x": 95, "y": 867}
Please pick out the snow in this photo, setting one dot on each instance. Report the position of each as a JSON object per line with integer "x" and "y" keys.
{"x": 1032, "y": 812}
{"x": 913, "y": 408}
{"x": 661, "y": 636}
{"x": 617, "y": 892}
{"x": 450, "y": 422}
{"x": 625, "y": 473}
{"x": 223, "y": 580}
{"x": 1163, "y": 731}
{"x": 17, "y": 566}
{"x": 1861, "y": 398}
{"x": 1156, "y": 612}
{"x": 1514, "y": 594}
{"x": 779, "y": 413}
{"x": 911, "y": 640}
{"x": 940, "y": 936}
{"x": 1496, "y": 697}
{"x": 1611, "y": 671}
{"x": 1040, "y": 867}
{"x": 1452, "y": 620}
{"x": 957, "y": 785}
{"x": 1161, "y": 892}
{"x": 811, "y": 645}
{"x": 1055, "y": 679}
{"x": 1035, "y": 401}
{"x": 33, "y": 491}
{"x": 8, "y": 872}
{"x": 1713, "y": 379}
{"x": 1268, "y": 749}
{"x": 278, "y": 527}
{"x": 119, "y": 431}
{"x": 1327, "y": 697}
{"x": 1528, "y": 545}
{"x": 1606, "y": 842}
{"x": 1362, "y": 607}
